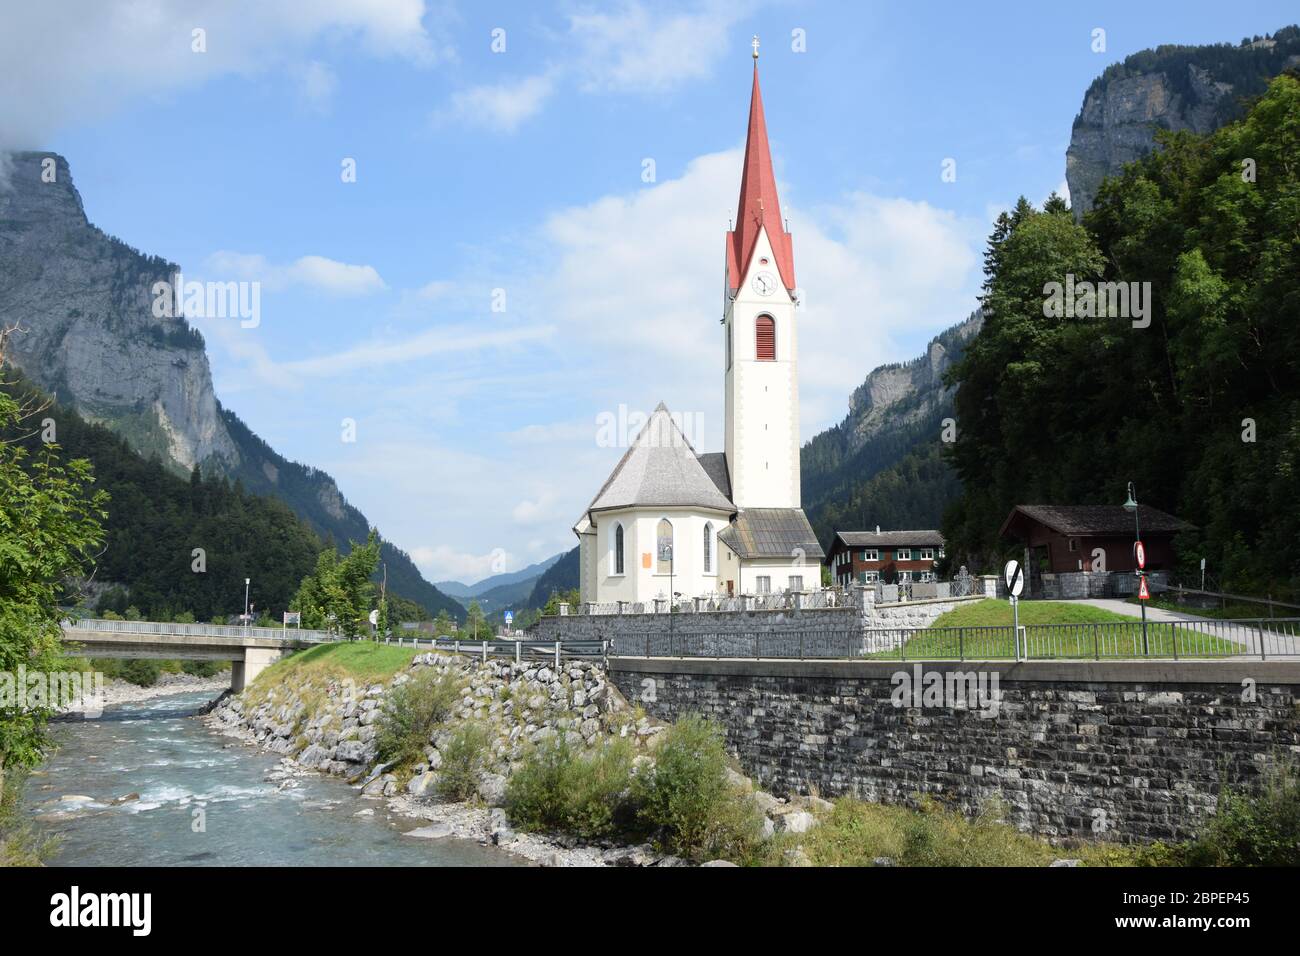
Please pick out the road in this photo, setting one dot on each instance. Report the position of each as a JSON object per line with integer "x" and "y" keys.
{"x": 1275, "y": 644}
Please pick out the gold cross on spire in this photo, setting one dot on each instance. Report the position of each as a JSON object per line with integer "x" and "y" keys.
{"x": 754, "y": 44}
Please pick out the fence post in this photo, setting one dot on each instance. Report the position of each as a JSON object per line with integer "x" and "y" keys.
{"x": 518, "y": 651}
{"x": 647, "y": 643}
{"x": 557, "y": 655}
{"x": 1096, "y": 645}
{"x": 801, "y": 645}
{"x": 485, "y": 652}
{"x": 961, "y": 643}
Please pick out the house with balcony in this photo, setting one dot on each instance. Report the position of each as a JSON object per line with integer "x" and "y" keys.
{"x": 886, "y": 557}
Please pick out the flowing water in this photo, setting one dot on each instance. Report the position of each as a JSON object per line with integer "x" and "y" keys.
{"x": 159, "y": 750}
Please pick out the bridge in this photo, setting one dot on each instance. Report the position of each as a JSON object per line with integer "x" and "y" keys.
{"x": 250, "y": 650}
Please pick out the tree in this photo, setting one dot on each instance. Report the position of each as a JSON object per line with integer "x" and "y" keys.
{"x": 474, "y": 623}
{"x": 50, "y": 531}
{"x": 339, "y": 593}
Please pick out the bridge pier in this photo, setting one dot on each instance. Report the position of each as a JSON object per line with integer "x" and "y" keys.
{"x": 256, "y": 660}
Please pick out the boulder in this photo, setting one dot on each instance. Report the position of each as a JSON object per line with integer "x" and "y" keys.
{"x": 423, "y": 785}
{"x": 492, "y": 789}
{"x": 795, "y": 821}
{"x": 718, "y": 863}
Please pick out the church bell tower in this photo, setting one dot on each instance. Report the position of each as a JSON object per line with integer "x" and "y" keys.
{"x": 761, "y": 341}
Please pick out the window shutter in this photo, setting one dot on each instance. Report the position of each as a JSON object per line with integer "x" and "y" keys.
{"x": 765, "y": 338}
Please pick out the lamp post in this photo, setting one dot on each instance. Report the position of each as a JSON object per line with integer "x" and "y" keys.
{"x": 247, "y": 582}
{"x": 1132, "y": 505}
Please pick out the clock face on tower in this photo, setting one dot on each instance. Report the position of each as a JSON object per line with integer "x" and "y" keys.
{"x": 764, "y": 283}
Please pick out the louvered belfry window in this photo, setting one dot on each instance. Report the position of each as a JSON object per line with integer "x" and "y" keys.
{"x": 765, "y": 338}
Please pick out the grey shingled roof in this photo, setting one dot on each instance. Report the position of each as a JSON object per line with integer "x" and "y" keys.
{"x": 771, "y": 533}
{"x": 714, "y": 464}
{"x": 1097, "y": 519}
{"x": 660, "y": 470}
{"x": 891, "y": 539}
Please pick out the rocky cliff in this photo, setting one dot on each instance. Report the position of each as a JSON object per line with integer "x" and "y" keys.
{"x": 84, "y": 301}
{"x": 1196, "y": 88}
{"x": 883, "y": 464}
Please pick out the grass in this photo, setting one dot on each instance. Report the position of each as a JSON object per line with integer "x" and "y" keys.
{"x": 360, "y": 660}
{"x": 1079, "y": 631}
{"x": 855, "y": 833}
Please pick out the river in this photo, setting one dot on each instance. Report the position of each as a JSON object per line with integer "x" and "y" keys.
{"x": 161, "y": 751}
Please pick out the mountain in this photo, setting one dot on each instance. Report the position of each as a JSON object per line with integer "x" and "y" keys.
{"x": 529, "y": 574}
{"x": 559, "y": 577}
{"x": 156, "y": 519}
{"x": 883, "y": 464}
{"x": 1196, "y": 88}
{"x": 85, "y": 301}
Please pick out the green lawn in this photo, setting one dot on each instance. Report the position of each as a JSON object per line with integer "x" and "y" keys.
{"x": 360, "y": 660}
{"x": 1057, "y": 629}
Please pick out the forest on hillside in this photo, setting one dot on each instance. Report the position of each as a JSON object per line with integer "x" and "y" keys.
{"x": 1201, "y": 409}
{"x": 157, "y": 520}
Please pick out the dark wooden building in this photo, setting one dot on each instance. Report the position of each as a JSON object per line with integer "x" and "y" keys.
{"x": 865, "y": 557}
{"x": 1059, "y": 539}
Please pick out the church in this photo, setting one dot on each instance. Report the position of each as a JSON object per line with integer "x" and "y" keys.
{"x": 671, "y": 522}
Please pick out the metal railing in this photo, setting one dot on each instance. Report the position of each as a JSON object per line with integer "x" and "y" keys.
{"x": 1264, "y": 638}
{"x": 519, "y": 651}
{"x": 100, "y": 626}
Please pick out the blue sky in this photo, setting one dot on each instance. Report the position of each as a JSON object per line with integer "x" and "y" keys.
{"x": 522, "y": 171}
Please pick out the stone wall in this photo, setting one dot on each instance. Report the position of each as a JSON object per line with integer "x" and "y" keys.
{"x": 1122, "y": 750}
{"x": 788, "y": 632}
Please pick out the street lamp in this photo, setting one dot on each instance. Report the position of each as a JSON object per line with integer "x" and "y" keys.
{"x": 1131, "y": 505}
{"x": 247, "y": 582}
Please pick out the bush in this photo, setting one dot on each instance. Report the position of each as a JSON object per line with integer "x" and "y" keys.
{"x": 464, "y": 757}
{"x": 586, "y": 794}
{"x": 204, "y": 668}
{"x": 20, "y": 844}
{"x": 144, "y": 673}
{"x": 1254, "y": 828}
{"x": 411, "y": 713}
{"x": 688, "y": 799}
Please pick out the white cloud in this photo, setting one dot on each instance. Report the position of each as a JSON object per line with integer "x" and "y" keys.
{"x": 327, "y": 276}
{"x": 500, "y": 106}
{"x": 442, "y": 340}
{"x": 316, "y": 85}
{"x": 638, "y": 281}
{"x": 647, "y": 49}
{"x": 81, "y": 59}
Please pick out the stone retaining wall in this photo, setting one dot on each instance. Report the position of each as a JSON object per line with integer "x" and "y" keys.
{"x": 1133, "y": 751}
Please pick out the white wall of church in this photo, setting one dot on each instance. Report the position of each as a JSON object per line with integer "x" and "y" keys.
{"x": 762, "y": 397}
{"x": 642, "y": 579}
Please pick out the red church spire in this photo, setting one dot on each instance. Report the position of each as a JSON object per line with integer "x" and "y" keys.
{"x": 759, "y": 205}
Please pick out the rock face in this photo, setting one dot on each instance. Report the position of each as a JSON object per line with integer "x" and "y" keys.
{"x": 85, "y": 300}
{"x": 1170, "y": 88}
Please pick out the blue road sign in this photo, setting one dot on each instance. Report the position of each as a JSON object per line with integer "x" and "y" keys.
{"x": 510, "y": 618}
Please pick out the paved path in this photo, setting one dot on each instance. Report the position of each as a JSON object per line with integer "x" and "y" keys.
{"x": 1275, "y": 644}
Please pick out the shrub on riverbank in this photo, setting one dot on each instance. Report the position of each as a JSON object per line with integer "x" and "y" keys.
{"x": 1258, "y": 827}
{"x": 687, "y": 797}
{"x": 411, "y": 712}
{"x": 465, "y": 756}
{"x": 558, "y": 788}
{"x": 20, "y": 844}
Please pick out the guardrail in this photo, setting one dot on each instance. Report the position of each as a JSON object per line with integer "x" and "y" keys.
{"x": 520, "y": 651}
{"x": 100, "y": 626}
{"x": 1264, "y": 638}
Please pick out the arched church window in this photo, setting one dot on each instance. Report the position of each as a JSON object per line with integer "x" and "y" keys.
{"x": 708, "y": 547}
{"x": 617, "y": 550}
{"x": 664, "y": 547}
{"x": 765, "y": 338}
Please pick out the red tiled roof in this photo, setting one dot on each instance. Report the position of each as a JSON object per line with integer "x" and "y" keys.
{"x": 759, "y": 206}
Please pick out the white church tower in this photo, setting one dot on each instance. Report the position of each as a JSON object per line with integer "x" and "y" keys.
{"x": 671, "y": 523}
{"x": 761, "y": 353}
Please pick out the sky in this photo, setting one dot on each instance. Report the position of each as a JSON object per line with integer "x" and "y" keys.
{"x": 533, "y": 240}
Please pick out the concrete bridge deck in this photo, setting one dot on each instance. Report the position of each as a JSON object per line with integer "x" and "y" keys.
{"x": 250, "y": 650}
